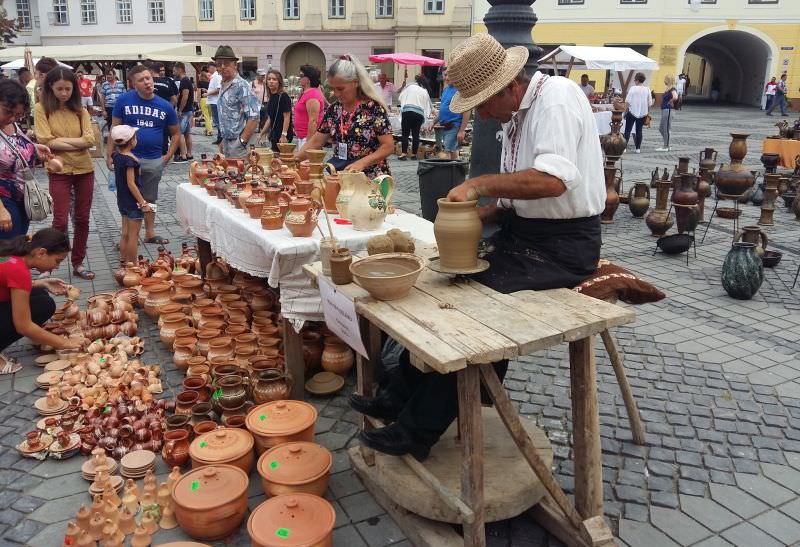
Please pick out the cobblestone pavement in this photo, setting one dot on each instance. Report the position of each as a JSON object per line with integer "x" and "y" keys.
{"x": 717, "y": 382}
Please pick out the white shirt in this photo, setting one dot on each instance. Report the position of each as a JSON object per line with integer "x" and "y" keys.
{"x": 386, "y": 92}
{"x": 557, "y": 135}
{"x": 214, "y": 83}
{"x": 771, "y": 86}
{"x": 587, "y": 89}
{"x": 680, "y": 86}
{"x": 417, "y": 98}
{"x": 639, "y": 100}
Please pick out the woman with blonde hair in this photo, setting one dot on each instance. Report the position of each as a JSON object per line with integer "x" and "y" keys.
{"x": 357, "y": 123}
{"x": 668, "y": 100}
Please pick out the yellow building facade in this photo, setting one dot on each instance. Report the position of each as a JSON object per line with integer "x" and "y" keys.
{"x": 729, "y": 48}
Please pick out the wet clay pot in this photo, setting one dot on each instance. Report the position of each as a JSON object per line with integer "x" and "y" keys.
{"x": 742, "y": 271}
{"x": 612, "y": 197}
{"x": 224, "y": 445}
{"x": 295, "y": 467}
{"x": 176, "y": 447}
{"x": 281, "y": 421}
{"x": 457, "y": 230}
{"x": 309, "y": 518}
{"x": 639, "y": 199}
{"x": 211, "y": 501}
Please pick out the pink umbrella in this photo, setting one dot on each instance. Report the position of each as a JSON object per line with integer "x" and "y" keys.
{"x": 406, "y": 59}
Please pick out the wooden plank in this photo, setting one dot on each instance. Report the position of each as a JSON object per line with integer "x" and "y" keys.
{"x": 295, "y": 364}
{"x": 599, "y": 532}
{"x": 551, "y": 518}
{"x": 585, "y": 429}
{"x": 365, "y": 367}
{"x": 614, "y": 315}
{"x": 634, "y": 418}
{"x": 471, "y": 431}
{"x": 419, "y": 531}
{"x": 204, "y": 254}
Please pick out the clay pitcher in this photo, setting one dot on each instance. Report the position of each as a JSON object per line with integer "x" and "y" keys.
{"x": 176, "y": 447}
{"x": 369, "y": 203}
{"x": 275, "y": 197}
{"x": 612, "y": 197}
{"x": 754, "y": 235}
{"x": 302, "y": 217}
{"x": 331, "y": 186}
{"x": 685, "y": 198}
{"x": 708, "y": 159}
{"x": 255, "y": 202}
{"x": 347, "y": 183}
{"x": 457, "y": 230}
{"x": 659, "y": 220}
{"x": 639, "y": 199}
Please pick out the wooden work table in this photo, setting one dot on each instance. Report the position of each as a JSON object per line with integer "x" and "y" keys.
{"x": 463, "y": 327}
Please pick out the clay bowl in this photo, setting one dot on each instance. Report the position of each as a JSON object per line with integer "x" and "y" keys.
{"x": 675, "y": 244}
{"x": 771, "y": 258}
{"x": 388, "y": 276}
{"x": 728, "y": 212}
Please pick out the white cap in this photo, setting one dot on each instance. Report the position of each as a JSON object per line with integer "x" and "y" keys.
{"x": 261, "y": 72}
{"x": 121, "y": 134}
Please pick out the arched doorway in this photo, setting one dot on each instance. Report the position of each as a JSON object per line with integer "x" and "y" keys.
{"x": 302, "y": 53}
{"x": 731, "y": 65}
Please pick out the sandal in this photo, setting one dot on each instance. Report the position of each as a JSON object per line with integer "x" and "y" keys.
{"x": 9, "y": 366}
{"x": 83, "y": 273}
{"x": 157, "y": 239}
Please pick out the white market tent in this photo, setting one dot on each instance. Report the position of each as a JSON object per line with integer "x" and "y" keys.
{"x": 19, "y": 63}
{"x": 617, "y": 59}
{"x": 186, "y": 52}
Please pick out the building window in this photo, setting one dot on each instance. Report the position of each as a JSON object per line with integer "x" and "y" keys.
{"x": 247, "y": 10}
{"x": 632, "y": 1}
{"x": 761, "y": 1}
{"x": 206, "y": 10}
{"x": 336, "y": 9}
{"x": 24, "y": 14}
{"x": 60, "y": 13}
{"x": 434, "y": 6}
{"x": 569, "y": 2}
{"x": 88, "y": 12}
{"x": 155, "y": 11}
{"x": 124, "y": 11}
{"x": 384, "y": 8}
{"x": 291, "y": 9}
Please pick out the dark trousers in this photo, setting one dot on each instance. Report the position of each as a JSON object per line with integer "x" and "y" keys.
{"x": 630, "y": 120}
{"x": 109, "y": 116}
{"x": 779, "y": 101}
{"x": 19, "y": 218}
{"x": 530, "y": 254}
{"x": 410, "y": 122}
{"x": 42, "y": 309}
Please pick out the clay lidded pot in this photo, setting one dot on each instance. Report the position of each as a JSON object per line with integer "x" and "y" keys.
{"x": 211, "y": 502}
{"x": 295, "y": 467}
{"x": 457, "y": 230}
{"x": 223, "y": 446}
{"x": 302, "y": 519}
{"x": 176, "y": 447}
{"x": 278, "y": 422}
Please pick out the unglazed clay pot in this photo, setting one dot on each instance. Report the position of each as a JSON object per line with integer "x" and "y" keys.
{"x": 271, "y": 385}
{"x": 223, "y": 445}
{"x": 612, "y": 197}
{"x": 295, "y": 467}
{"x": 306, "y": 518}
{"x": 211, "y": 502}
{"x": 157, "y": 296}
{"x": 199, "y": 385}
{"x": 289, "y": 421}
{"x": 458, "y": 230}
{"x": 337, "y": 357}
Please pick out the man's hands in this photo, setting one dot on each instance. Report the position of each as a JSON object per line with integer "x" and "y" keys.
{"x": 466, "y": 191}
{"x": 461, "y": 135}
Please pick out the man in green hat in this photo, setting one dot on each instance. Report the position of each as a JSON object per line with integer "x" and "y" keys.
{"x": 238, "y": 108}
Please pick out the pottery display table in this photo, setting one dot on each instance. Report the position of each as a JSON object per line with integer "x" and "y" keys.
{"x": 788, "y": 149}
{"x": 276, "y": 256}
{"x": 603, "y": 121}
{"x": 462, "y": 328}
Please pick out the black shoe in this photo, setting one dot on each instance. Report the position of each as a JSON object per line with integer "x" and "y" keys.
{"x": 395, "y": 441}
{"x": 382, "y": 407}
{"x": 178, "y": 159}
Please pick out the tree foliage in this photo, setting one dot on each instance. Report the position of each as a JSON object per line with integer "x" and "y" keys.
{"x": 8, "y": 27}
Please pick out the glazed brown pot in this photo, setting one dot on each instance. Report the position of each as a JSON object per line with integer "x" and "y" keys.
{"x": 457, "y": 230}
{"x": 612, "y": 197}
{"x": 309, "y": 518}
{"x": 639, "y": 199}
{"x": 211, "y": 502}
{"x": 685, "y": 198}
{"x": 295, "y": 467}
{"x": 184, "y": 402}
{"x": 232, "y": 392}
{"x": 232, "y": 446}
{"x": 176, "y": 447}
{"x": 289, "y": 421}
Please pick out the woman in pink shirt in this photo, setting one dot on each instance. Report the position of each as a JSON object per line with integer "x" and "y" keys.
{"x": 309, "y": 106}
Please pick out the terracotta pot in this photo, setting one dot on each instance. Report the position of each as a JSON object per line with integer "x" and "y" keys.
{"x": 232, "y": 392}
{"x": 204, "y": 338}
{"x": 331, "y": 187}
{"x": 612, "y": 197}
{"x": 271, "y": 218}
{"x": 337, "y": 357}
{"x": 193, "y": 287}
{"x": 613, "y": 143}
{"x": 171, "y": 323}
{"x": 242, "y": 355}
{"x": 178, "y": 421}
{"x": 211, "y": 502}
{"x": 312, "y": 349}
{"x": 457, "y": 230}
{"x": 295, "y": 467}
{"x": 302, "y": 217}
{"x": 184, "y": 402}
{"x": 220, "y": 347}
{"x": 232, "y": 446}
{"x": 203, "y": 427}
{"x": 199, "y": 385}
{"x": 289, "y": 421}
{"x": 260, "y": 362}
{"x": 735, "y": 179}
{"x": 639, "y": 199}
{"x": 310, "y": 519}
{"x": 685, "y": 198}
{"x": 201, "y": 412}
{"x": 185, "y": 349}
{"x": 176, "y": 447}
{"x": 157, "y": 296}
{"x": 235, "y": 421}
{"x": 658, "y": 220}
{"x": 198, "y": 307}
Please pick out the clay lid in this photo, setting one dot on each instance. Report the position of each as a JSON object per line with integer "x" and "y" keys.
{"x": 295, "y": 463}
{"x": 281, "y": 418}
{"x": 222, "y": 445}
{"x": 292, "y": 520}
{"x": 210, "y": 487}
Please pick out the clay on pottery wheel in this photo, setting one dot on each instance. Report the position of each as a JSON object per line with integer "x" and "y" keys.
{"x": 458, "y": 230}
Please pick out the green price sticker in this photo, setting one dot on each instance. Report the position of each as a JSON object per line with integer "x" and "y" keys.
{"x": 203, "y": 444}
{"x": 195, "y": 485}
{"x": 102, "y": 359}
{"x": 273, "y": 465}
{"x": 282, "y": 533}
{"x": 106, "y": 410}
{"x": 217, "y": 394}
{"x": 262, "y": 417}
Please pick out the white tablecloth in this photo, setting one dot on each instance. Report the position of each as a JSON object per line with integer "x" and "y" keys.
{"x": 275, "y": 254}
{"x": 603, "y": 120}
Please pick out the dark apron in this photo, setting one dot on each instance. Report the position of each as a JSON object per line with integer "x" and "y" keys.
{"x": 539, "y": 254}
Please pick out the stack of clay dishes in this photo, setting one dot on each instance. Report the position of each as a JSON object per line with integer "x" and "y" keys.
{"x": 48, "y": 379}
{"x": 50, "y": 406}
{"x": 43, "y": 360}
{"x": 88, "y": 470}
{"x": 26, "y": 450}
{"x": 295, "y": 467}
{"x": 279, "y": 422}
{"x": 136, "y": 464}
{"x": 117, "y": 483}
{"x": 57, "y": 365}
{"x": 292, "y": 519}
{"x": 224, "y": 445}
{"x": 324, "y": 383}
{"x": 62, "y": 452}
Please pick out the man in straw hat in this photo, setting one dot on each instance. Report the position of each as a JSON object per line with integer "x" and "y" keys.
{"x": 238, "y": 109}
{"x": 549, "y": 196}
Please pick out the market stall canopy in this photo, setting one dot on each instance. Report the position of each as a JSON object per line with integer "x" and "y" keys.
{"x": 190, "y": 52}
{"x": 19, "y": 63}
{"x": 406, "y": 59}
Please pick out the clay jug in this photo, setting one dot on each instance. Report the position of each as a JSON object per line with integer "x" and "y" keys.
{"x": 612, "y": 197}
{"x": 171, "y": 323}
{"x": 658, "y": 220}
{"x": 276, "y": 197}
{"x": 255, "y": 202}
{"x": 742, "y": 271}
{"x": 132, "y": 277}
{"x": 458, "y": 231}
{"x": 302, "y": 217}
{"x": 639, "y": 199}
{"x": 347, "y": 183}
{"x": 685, "y": 198}
{"x": 369, "y": 202}
{"x": 231, "y": 391}
{"x": 613, "y": 144}
{"x": 337, "y": 357}
{"x": 271, "y": 385}
{"x": 331, "y": 186}
{"x": 754, "y": 235}
{"x": 734, "y": 180}
{"x": 176, "y": 447}
{"x": 708, "y": 159}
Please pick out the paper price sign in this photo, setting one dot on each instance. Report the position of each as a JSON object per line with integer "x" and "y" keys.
{"x": 340, "y": 315}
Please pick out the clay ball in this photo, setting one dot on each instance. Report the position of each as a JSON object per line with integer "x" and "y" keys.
{"x": 379, "y": 244}
{"x": 55, "y": 165}
{"x": 402, "y": 243}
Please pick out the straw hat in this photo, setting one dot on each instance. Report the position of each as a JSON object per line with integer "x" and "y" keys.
{"x": 479, "y": 68}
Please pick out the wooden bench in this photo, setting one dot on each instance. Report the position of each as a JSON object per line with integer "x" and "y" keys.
{"x": 462, "y": 328}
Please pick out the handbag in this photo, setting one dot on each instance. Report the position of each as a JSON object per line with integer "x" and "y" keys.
{"x": 38, "y": 202}
{"x": 647, "y": 120}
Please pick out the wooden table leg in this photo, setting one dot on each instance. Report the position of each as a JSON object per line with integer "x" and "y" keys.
{"x": 295, "y": 364}
{"x": 585, "y": 429}
{"x": 471, "y": 430}
{"x": 204, "y": 254}
{"x": 365, "y": 367}
{"x": 634, "y": 418}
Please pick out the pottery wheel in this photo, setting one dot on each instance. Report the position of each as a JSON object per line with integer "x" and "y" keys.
{"x": 435, "y": 265}
{"x": 510, "y": 485}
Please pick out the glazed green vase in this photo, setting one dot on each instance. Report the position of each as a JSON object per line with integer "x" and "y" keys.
{"x": 742, "y": 271}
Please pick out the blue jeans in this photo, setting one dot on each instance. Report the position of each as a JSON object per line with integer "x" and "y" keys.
{"x": 450, "y": 138}
{"x": 780, "y": 101}
{"x": 215, "y": 117}
{"x": 19, "y": 219}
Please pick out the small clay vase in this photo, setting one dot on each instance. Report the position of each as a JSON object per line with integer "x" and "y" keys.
{"x": 176, "y": 447}
{"x": 458, "y": 231}
{"x": 340, "y": 266}
{"x": 337, "y": 357}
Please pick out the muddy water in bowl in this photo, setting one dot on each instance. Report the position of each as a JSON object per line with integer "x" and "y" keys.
{"x": 388, "y": 276}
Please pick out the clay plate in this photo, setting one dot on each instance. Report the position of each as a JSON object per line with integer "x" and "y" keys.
{"x": 74, "y": 442}
{"x": 324, "y": 383}
{"x": 116, "y": 483}
{"x": 59, "y": 364}
{"x": 48, "y": 378}
{"x": 45, "y": 359}
{"x": 138, "y": 460}
{"x": 44, "y": 410}
{"x": 436, "y": 266}
{"x": 87, "y": 469}
{"x": 47, "y": 440}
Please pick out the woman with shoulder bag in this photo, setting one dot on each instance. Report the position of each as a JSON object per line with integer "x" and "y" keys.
{"x": 64, "y": 125}
{"x": 639, "y": 102}
{"x": 18, "y": 154}
{"x": 278, "y": 124}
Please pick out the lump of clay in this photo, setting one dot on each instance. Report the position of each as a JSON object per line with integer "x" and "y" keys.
{"x": 380, "y": 244}
{"x": 402, "y": 243}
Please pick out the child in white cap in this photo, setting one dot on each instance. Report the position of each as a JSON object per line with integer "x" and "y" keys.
{"x": 130, "y": 202}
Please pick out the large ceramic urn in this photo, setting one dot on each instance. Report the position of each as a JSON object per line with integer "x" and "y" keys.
{"x": 369, "y": 202}
{"x": 742, "y": 271}
{"x": 685, "y": 198}
{"x": 659, "y": 220}
{"x": 458, "y": 231}
{"x": 734, "y": 180}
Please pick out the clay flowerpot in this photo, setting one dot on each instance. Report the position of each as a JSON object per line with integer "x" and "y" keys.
{"x": 211, "y": 502}
{"x": 337, "y": 357}
{"x": 176, "y": 447}
{"x": 295, "y": 467}
{"x": 458, "y": 230}
{"x": 233, "y": 446}
{"x": 742, "y": 271}
{"x": 310, "y": 516}
{"x": 639, "y": 199}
